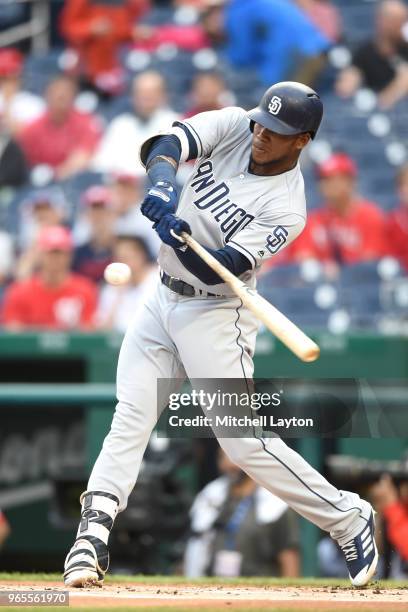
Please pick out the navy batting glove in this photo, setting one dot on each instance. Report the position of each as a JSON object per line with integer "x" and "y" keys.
{"x": 160, "y": 200}
{"x": 168, "y": 223}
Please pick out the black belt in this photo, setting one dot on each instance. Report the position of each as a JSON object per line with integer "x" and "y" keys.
{"x": 179, "y": 286}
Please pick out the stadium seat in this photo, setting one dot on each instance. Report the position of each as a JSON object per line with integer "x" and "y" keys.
{"x": 280, "y": 276}
{"x": 359, "y": 274}
{"x": 39, "y": 70}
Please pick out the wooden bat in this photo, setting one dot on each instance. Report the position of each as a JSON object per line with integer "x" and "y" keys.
{"x": 287, "y": 332}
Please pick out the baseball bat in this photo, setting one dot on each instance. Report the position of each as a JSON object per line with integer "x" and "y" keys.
{"x": 288, "y": 333}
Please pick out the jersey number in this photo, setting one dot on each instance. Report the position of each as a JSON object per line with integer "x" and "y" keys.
{"x": 277, "y": 239}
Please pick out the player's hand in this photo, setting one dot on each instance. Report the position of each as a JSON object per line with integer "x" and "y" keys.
{"x": 170, "y": 223}
{"x": 160, "y": 200}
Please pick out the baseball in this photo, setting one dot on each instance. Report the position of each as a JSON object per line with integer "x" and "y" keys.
{"x": 117, "y": 273}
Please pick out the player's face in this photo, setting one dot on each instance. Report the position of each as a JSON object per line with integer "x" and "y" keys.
{"x": 269, "y": 147}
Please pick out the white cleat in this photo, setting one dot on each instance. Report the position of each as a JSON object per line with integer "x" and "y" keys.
{"x": 81, "y": 567}
{"x": 361, "y": 555}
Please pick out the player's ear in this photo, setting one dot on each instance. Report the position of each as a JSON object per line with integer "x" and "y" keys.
{"x": 302, "y": 140}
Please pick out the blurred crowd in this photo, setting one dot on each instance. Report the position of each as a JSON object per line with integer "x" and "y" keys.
{"x": 71, "y": 183}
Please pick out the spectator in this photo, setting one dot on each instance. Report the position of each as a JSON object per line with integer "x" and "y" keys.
{"x": 398, "y": 222}
{"x": 91, "y": 258}
{"x": 188, "y": 38}
{"x": 127, "y": 195}
{"x": 276, "y": 39}
{"x": 54, "y": 298}
{"x": 123, "y": 137}
{"x": 96, "y": 30}
{"x": 13, "y": 166}
{"x": 208, "y": 92}
{"x": 325, "y": 16}
{"x": 41, "y": 209}
{"x": 62, "y": 137}
{"x": 6, "y": 260}
{"x": 240, "y": 529}
{"x": 381, "y": 63}
{"x": 117, "y": 305}
{"x": 392, "y": 503}
{"x": 18, "y": 107}
{"x": 347, "y": 229}
{"x": 5, "y": 529}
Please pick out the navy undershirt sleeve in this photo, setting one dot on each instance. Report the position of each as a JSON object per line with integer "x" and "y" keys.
{"x": 167, "y": 146}
{"x": 232, "y": 259}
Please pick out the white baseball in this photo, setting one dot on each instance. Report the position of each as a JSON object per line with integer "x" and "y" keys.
{"x": 117, "y": 273}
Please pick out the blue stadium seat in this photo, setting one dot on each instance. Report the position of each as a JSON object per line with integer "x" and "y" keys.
{"x": 357, "y": 275}
{"x": 11, "y": 214}
{"x": 280, "y": 276}
{"x": 75, "y": 186}
{"x": 395, "y": 296}
{"x": 358, "y": 19}
{"x": 159, "y": 15}
{"x": 298, "y": 302}
{"x": 39, "y": 70}
{"x": 364, "y": 305}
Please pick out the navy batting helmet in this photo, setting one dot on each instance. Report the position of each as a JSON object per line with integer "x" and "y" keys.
{"x": 289, "y": 108}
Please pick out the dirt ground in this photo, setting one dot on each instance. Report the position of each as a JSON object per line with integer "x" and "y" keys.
{"x": 227, "y": 597}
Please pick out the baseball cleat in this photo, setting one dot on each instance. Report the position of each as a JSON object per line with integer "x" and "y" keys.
{"x": 81, "y": 567}
{"x": 361, "y": 555}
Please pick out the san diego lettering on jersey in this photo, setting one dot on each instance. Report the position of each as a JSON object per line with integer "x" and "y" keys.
{"x": 228, "y": 215}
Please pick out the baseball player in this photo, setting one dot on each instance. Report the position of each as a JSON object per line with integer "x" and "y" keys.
{"x": 244, "y": 201}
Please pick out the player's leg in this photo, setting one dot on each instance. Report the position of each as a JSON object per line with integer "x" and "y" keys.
{"x": 226, "y": 338}
{"x": 147, "y": 354}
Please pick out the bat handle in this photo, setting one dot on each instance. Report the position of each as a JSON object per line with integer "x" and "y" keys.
{"x": 183, "y": 238}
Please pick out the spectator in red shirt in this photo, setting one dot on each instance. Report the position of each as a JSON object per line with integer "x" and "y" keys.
{"x": 392, "y": 503}
{"x": 92, "y": 257}
{"x": 347, "y": 229}
{"x": 62, "y": 137}
{"x": 96, "y": 30}
{"x": 5, "y": 529}
{"x": 54, "y": 298}
{"x": 398, "y": 221}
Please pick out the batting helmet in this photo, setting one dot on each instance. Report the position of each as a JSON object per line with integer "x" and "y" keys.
{"x": 289, "y": 108}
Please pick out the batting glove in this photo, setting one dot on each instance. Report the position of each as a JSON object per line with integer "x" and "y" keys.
{"x": 160, "y": 200}
{"x": 170, "y": 223}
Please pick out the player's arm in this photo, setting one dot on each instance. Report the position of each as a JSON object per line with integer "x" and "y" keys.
{"x": 233, "y": 260}
{"x": 187, "y": 140}
{"x": 161, "y": 156}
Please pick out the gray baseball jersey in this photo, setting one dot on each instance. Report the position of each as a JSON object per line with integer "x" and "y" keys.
{"x": 225, "y": 204}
